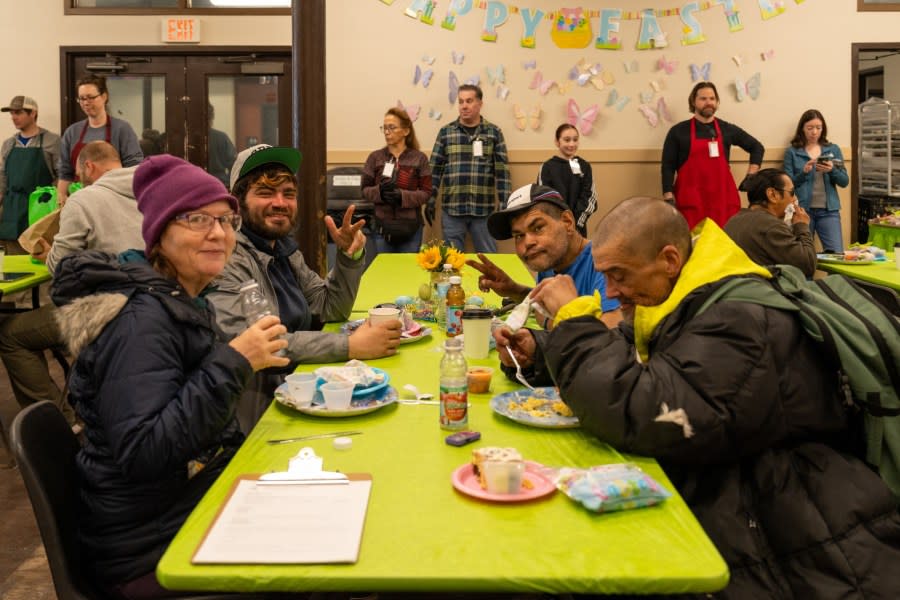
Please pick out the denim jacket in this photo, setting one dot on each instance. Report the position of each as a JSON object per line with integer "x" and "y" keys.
{"x": 796, "y": 158}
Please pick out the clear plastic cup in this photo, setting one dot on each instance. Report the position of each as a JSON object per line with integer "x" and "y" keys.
{"x": 479, "y": 379}
{"x": 503, "y": 477}
{"x": 337, "y": 394}
{"x": 301, "y": 388}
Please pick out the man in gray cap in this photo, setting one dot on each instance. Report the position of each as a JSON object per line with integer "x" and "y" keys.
{"x": 543, "y": 227}
{"x": 27, "y": 160}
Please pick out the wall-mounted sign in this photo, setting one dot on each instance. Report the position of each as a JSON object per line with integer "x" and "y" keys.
{"x": 180, "y": 30}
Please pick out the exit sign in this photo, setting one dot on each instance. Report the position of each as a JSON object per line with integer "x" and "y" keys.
{"x": 180, "y": 30}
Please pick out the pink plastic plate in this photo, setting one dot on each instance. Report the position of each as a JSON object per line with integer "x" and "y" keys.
{"x": 465, "y": 481}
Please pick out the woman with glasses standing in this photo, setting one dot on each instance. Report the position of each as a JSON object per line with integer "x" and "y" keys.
{"x": 397, "y": 180}
{"x": 93, "y": 97}
{"x": 816, "y": 166}
{"x": 155, "y": 380}
{"x": 762, "y": 230}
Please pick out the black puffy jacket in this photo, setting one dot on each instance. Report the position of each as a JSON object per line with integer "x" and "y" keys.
{"x": 156, "y": 387}
{"x": 744, "y": 417}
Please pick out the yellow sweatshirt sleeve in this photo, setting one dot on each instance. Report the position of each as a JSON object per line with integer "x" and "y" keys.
{"x": 580, "y": 307}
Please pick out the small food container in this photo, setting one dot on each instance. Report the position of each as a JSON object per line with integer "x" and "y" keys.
{"x": 479, "y": 379}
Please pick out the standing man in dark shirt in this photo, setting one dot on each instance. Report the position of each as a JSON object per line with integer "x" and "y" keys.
{"x": 698, "y": 150}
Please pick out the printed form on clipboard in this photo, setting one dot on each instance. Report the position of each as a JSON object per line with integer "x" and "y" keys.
{"x": 310, "y": 518}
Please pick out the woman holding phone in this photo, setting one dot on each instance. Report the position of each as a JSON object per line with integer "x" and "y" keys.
{"x": 816, "y": 166}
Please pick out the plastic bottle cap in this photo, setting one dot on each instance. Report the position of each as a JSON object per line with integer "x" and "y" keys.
{"x": 342, "y": 443}
{"x": 455, "y": 280}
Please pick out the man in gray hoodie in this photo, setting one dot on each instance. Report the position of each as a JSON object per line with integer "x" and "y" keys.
{"x": 101, "y": 216}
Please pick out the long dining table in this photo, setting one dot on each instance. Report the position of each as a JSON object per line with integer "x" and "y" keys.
{"x": 420, "y": 533}
{"x": 30, "y": 275}
{"x": 885, "y": 273}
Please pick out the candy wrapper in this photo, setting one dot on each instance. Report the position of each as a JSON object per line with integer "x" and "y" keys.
{"x": 609, "y": 488}
{"x": 355, "y": 370}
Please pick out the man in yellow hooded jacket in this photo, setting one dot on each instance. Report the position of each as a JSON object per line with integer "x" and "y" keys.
{"x": 735, "y": 402}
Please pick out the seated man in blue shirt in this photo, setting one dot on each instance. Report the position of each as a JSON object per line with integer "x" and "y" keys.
{"x": 538, "y": 219}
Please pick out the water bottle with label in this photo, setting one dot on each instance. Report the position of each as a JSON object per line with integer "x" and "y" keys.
{"x": 456, "y": 300}
{"x": 440, "y": 297}
{"x": 454, "y": 402}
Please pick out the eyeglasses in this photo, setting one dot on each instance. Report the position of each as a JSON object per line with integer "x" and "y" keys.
{"x": 203, "y": 222}
{"x": 388, "y": 128}
{"x": 84, "y": 99}
{"x": 789, "y": 192}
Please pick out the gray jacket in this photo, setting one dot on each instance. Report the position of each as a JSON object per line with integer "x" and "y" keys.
{"x": 102, "y": 216}
{"x": 329, "y": 299}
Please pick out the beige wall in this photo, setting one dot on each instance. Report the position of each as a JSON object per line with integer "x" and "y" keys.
{"x": 373, "y": 49}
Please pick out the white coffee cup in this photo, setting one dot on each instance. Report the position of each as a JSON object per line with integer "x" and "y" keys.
{"x": 383, "y": 313}
{"x": 476, "y": 332}
{"x": 301, "y": 388}
{"x": 337, "y": 394}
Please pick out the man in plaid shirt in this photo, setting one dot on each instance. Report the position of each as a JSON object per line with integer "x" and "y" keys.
{"x": 469, "y": 166}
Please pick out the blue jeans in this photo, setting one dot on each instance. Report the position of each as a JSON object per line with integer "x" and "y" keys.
{"x": 455, "y": 229}
{"x": 411, "y": 245}
{"x": 827, "y": 223}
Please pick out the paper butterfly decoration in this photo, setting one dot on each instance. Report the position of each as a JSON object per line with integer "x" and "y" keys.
{"x": 502, "y": 92}
{"x": 631, "y": 67}
{"x": 529, "y": 64}
{"x": 563, "y": 88}
{"x": 435, "y": 114}
{"x": 583, "y": 120}
{"x": 424, "y": 76}
{"x": 597, "y": 82}
{"x": 583, "y": 79}
{"x": 646, "y": 97}
{"x": 428, "y": 59}
{"x": 412, "y": 110}
{"x": 737, "y": 59}
{"x": 538, "y": 83}
{"x": 618, "y": 102}
{"x": 453, "y": 84}
{"x": 457, "y": 57}
{"x": 608, "y": 77}
{"x": 700, "y": 73}
{"x": 497, "y": 74}
{"x": 655, "y": 85}
{"x": 523, "y": 120}
{"x": 660, "y": 40}
{"x": 654, "y": 115}
{"x": 751, "y": 88}
{"x": 767, "y": 54}
{"x": 473, "y": 80}
{"x": 666, "y": 65}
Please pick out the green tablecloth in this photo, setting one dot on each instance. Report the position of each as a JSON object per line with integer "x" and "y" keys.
{"x": 422, "y": 535}
{"x": 883, "y": 236}
{"x": 38, "y": 273}
{"x": 883, "y": 273}
{"x": 392, "y": 275}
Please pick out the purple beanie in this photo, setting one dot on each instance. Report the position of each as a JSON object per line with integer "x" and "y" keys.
{"x": 166, "y": 186}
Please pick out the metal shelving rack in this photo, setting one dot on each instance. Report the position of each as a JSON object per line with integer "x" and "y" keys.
{"x": 879, "y": 148}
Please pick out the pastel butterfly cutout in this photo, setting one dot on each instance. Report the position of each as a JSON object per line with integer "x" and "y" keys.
{"x": 428, "y": 59}
{"x": 583, "y": 79}
{"x": 631, "y": 67}
{"x": 538, "y": 83}
{"x": 615, "y": 100}
{"x": 646, "y": 97}
{"x": 653, "y": 115}
{"x": 583, "y": 120}
{"x": 496, "y": 75}
{"x": 531, "y": 119}
{"x": 767, "y": 54}
{"x": 700, "y": 73}
{"x": 737, "y": 59}
{"x": 660, "y": 40}
{"x": 412, "y": 110}
{"x": 502, "y": 92}
{"x": 435, "y": 114}
{"x": 597, "y": 82}
{"x": 608, "y": 77}
{"x": 655, "y": 85}
{"x": 423, "y": 76}
{"x": 457, "y": 57}
{"x": 529, "y": 64}
{"x": 668, "y": 66}
{"x": 751, "y": 88}
{"x": 473, "y": 80}
{"x": 453, "y": 84}
{"x": 563, "y": 88}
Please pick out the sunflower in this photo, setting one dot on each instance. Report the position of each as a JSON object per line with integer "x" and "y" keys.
{"x": 456, "y": 258}
{"x": 429, "y": 258}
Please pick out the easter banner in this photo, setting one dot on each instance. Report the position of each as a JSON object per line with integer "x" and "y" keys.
{"x": 579, "y": 27}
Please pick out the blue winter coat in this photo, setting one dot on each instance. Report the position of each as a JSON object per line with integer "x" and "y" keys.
{"x": 156, "y": 388}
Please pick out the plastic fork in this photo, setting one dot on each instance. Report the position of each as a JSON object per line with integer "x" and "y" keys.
{"x": 519, "y": 375}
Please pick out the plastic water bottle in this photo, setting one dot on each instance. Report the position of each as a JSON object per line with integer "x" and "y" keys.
{"x": 254, "y": 305}
{"x": 440, "y": 297}
{"x": 454, "y": 387}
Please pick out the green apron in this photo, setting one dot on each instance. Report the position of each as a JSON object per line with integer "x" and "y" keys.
{"x": 26, "y": 169}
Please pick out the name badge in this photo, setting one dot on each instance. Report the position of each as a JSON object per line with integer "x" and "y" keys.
{"x": 388, "y": 170}
{"x": 575, "y": 166}
{"x": 714, "y": 149}
{"x": 477, "y": 148}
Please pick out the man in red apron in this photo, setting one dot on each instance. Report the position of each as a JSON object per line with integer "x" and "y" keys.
{"x": 27, "y": 160}
{"x": 697, "y": 150}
